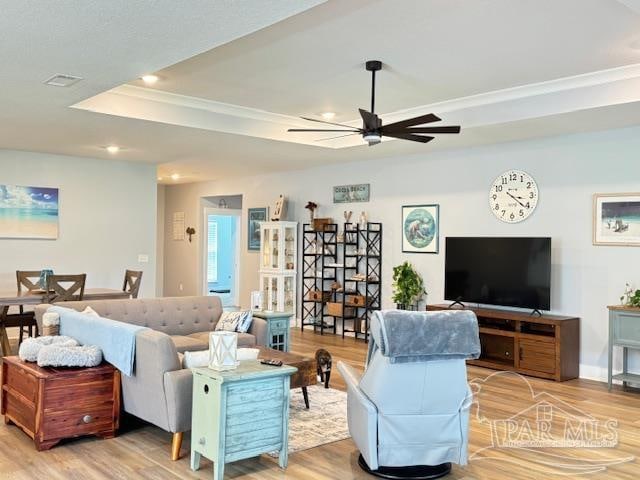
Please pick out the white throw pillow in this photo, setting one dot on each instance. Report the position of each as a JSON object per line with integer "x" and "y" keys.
{"x": 229, "y": 321}
{"x": 195, "y": 359}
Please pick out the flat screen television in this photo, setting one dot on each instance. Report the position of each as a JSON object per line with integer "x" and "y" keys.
{"x": 505, "y": 271}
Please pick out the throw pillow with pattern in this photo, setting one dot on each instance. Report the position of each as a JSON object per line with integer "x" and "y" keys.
{"x": 229, "y": 321}
{"x": 245, "y": 322}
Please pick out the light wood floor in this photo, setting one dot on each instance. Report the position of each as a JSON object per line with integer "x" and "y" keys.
{"x": 144, "y": 452}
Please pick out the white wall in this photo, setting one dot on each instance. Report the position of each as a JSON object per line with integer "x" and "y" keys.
{"x": 569, "y": 170}
{"x": 160, "y": 229}
{"x": 107, "y": 217}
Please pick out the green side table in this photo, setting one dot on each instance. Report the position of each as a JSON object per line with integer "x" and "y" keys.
{"x": 240, "y": 414}
{"x": 278, "y": 328}
{"x": 624, "y": 331}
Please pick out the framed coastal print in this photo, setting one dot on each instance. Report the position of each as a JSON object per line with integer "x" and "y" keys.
{"x": 616, "y": 219}
{"x": 254, "y": 217}
{"x": 420, "y": 228}
{"x": 28, "y": 212}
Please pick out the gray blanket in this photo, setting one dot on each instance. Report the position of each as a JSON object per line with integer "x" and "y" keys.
{"x": 405, "y": 336}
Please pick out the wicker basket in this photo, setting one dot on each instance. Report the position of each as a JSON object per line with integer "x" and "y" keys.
{"x": 320, "y": 224}
{"x": 335, "y": 309}
{"x": 319, "y": 296}
{"x": 355, "y": 300}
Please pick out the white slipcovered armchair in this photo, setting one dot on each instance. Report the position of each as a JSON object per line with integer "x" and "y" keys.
{"x": 409, "y": 413}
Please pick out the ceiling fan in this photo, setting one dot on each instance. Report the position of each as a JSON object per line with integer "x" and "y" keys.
{"x": 372, "y": 130}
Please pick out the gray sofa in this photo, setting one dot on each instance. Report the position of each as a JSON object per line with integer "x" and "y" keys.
{"x": 160, "y": 390}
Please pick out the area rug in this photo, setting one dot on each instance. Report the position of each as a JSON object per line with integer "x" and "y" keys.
{"x": 325, "y": 422}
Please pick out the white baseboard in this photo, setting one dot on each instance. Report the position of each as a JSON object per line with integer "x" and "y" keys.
{"x": 592, "y": 372}
{"x": 599, "y": 374}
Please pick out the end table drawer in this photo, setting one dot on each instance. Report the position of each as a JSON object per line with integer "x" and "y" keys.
{"x": 280, "y": 324}
{"x": 77, "y": 422}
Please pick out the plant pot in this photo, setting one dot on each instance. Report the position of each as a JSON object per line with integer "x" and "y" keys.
{"x": 410, "y": 308}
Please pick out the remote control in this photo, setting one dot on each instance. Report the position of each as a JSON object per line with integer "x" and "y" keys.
{"x": 273, "y": 363}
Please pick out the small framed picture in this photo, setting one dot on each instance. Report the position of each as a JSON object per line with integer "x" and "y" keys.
{"x": 420, "y": 228}
{"x": 254, "y": 217}
{"x": 616, "y": 219}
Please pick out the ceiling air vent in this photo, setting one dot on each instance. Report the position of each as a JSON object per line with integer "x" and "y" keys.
{"x": 62, "y": 80}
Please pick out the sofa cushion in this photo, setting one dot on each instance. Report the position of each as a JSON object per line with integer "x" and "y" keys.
{"x": 184, "y": 343}
{"x": 173, "y": 316}
{"x": 244, "y": 339}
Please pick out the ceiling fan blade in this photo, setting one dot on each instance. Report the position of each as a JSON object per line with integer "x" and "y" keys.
{"x": 409, "y": 136}
{"x": 319, "y": 130}
{"x": 329, "y": 123}
{"x": 410, "y": 122}
{"x": 451, "y": 129}
{"x": 371, "y": 120}
{"x": 339, "y": 136}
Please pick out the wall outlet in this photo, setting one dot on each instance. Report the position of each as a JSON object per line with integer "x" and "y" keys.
{"x": 142, "y": 258}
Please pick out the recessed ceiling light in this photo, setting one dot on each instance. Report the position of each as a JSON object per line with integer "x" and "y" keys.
{"x": 328, "y": 115}
{"x": 175, "y": 176}
{"x": 113, "y": 149}
{"x": 149, "y": 79}
{"x": 159, "y": 179}
{"x": 60, "y": 80}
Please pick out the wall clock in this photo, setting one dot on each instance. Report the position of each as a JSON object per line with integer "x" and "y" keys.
{"x": 513, "y": 196}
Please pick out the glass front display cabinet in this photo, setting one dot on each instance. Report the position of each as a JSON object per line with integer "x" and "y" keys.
{"x": 278, "y": 258}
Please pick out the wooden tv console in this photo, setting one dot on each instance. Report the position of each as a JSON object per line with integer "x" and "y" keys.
{"x": 546, "y": 346}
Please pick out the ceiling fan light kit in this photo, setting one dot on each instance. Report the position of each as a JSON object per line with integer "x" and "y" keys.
{"x": 373, "y": 130}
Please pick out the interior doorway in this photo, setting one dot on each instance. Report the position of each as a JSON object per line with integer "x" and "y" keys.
{"x": 222, "y": 248}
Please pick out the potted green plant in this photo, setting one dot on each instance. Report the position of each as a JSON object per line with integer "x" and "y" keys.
{"x": 631, "y": 297}
{"x": 408, "y": 287}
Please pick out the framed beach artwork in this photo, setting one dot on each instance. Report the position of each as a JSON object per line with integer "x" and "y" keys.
{"x": 420, "y": 228}
{"x": 616, "y": 219}
{"x": 28, "y": 212}
{"x": 254, "y": 217}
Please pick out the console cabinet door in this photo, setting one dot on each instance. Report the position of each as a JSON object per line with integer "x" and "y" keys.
{"x": 538, "y": 356}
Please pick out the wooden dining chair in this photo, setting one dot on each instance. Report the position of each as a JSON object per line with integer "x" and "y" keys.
{"x": 132, "y": 279}
{"x": 27, "y": 281}
{"x": 58, "y": 292}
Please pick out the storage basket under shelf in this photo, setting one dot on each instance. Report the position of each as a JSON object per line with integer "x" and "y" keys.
{"x": 335, "y": 309}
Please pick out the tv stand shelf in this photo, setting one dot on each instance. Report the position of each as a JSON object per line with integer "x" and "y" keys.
{"x": 546, "y": 346}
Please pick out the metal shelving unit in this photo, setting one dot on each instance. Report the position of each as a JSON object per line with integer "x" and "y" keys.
{"x": 319, "y": 248}
{"x": 356, "y": 264}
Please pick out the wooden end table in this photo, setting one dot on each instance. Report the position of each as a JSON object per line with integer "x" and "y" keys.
{"x": 306, "y": 366}
{"x": 51, "y": 404}
{"x": 240, "y": 414}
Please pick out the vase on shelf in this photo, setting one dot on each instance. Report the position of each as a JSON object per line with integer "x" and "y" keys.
{"x": 363, "y": 221}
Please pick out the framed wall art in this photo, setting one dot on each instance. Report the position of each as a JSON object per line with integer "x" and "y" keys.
{"x": 28, "y": 212}
{"x": 616, "y": 219}
{"x": 420, "y": 228}
{"x": 254, "y": 217}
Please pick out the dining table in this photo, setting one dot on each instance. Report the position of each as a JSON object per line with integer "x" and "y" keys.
{"x": 11, "y": 298}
